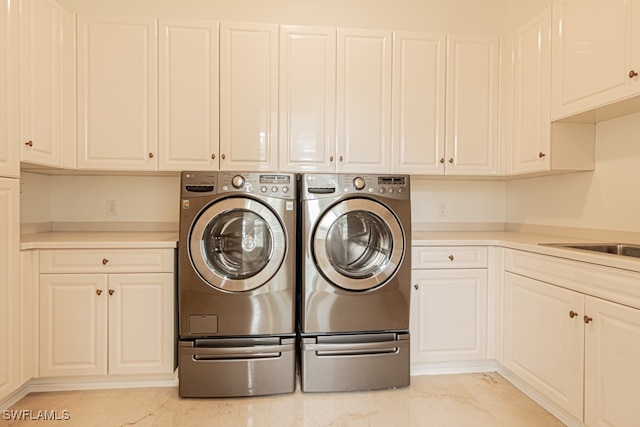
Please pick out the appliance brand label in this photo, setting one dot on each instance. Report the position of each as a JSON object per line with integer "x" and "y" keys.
{"x": 185, "y": 204}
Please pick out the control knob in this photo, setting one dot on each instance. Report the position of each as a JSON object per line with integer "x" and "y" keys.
{"x": 358, "y": 183}
{"x": 237, "y": 181}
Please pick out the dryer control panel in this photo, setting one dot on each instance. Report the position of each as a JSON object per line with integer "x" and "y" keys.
{"x": 317, "y": 186}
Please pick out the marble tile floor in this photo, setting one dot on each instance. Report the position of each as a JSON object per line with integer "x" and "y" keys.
{"x": 444, "y": 400}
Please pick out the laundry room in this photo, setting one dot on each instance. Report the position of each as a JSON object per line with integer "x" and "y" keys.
{"x": 319, "y": 212}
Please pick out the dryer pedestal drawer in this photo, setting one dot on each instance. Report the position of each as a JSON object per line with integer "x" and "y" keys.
{"x": 366, "y": 362}
{"x": 237, "y": 368}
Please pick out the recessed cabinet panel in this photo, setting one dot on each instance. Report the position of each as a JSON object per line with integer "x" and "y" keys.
{"x": 364, "y": 100}
{"x": 595, "y": 53}
{"x": 307, "y": 99}
{"x": 73, "y": 324}
{"x": 9, "y": 114}
{"x": 248, "y": 96}
{"x": 450, "y": 321}
{"x": 10, "y": 354}
{"x": 532, "y": 93}
{"x": 140, "y": 329}
{"x": 543, "y": 339}
{"x": 41, "y": 74}
{"x": 472, "y": 106}
{"x": 612, "y": 374}
{"x": 188, "y": 95}
{"x": 418, "y": 102}
{"x": 117, "y": 93}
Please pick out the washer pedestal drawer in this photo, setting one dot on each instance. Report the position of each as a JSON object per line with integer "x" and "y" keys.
{"x": 237, "y": 367}
{"x": 354, "y": 362}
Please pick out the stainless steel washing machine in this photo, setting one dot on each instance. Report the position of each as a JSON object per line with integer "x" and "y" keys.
{"x": 355, "y": 273}
{"x": 236, "y": 282}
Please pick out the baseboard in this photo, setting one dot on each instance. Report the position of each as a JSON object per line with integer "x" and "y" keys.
{"x": 564, "y": 417}
{"x": 37, "y": 385}
{"x": 462, "y": 367}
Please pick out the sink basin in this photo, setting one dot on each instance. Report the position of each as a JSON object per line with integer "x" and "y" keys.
{"x": 608, "y": 248}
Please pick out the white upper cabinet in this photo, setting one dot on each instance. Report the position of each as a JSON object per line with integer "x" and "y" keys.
{"x": 472, "y": 105}
{"x": 188, "y": 95}
{"x": 596, "y": 54}
{"x": 537, "y": 145}
{"x": 532, "y": 92}
{"x": 9, "y": 152}
{"x": 248, "y": 96}
{"x": 364, "y": 100}
{"x": 418, "y": 119}
{"x": 307, "y": 99}
{"x": 46, "y": 33}
{"x": 117, "y": 93}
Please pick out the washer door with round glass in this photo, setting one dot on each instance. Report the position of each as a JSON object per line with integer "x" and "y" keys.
{"x": 237, "y": 244}
{"x": 358, "y": 244}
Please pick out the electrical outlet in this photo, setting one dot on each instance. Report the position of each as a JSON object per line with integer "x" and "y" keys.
{"x": 112, "y": 207}
{"x": 442, "y": 209}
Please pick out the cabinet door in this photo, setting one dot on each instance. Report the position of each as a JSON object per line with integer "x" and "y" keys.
{"x": 73, "y": 324}
{"x": 307, "y": 99}
{"x": 248, "y": 96}
{"x": 418, "y": 103}
{"x": 9, "y": 117}
{"x": 364, "y": 101}
{"x": 612, "y": 372}
{"x": 472, "y": 106}
{"x": 41, "y": 72}
{"x": 117, "y": 93}
{"x": 188, "y": 95}
{"x": 544, "y": 339}
{"x": 449, "y": 315}
{"x": 141, "y": 317}
{"x": 532, "y": 92}
{"x": 10, "y": 355}
{"x": 595, "y": 47}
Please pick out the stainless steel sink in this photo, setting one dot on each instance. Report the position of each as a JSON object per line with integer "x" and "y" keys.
{"x": 608, "y": 248}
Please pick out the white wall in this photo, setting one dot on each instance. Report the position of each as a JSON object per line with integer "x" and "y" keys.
{"x": 608, "y": 198}
{"x": 458, "y": 16}
{"x": 80, "y": 202}
{"x": 453, "y": 204}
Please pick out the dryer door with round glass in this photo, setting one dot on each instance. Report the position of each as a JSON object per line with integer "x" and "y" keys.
{"x": 358, "y": 244}
{"x": 237, "y": 244}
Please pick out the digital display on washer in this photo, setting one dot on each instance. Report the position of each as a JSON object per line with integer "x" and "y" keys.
{"x": 275, "y": 179}
{"x": 392, "y": 180}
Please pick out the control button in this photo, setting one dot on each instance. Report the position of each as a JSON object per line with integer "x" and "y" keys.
{"x": 382, "y": 190}
{"x": 274, "y": 189}
{"x": 225, "y": 187}
{"x": 264, "y": 188}
{"x": 391, "y": 191}
{"x": 238, "y": 181}
{"x": 371, "y": 190}
{"x": 346, "y": 189}
{"x": 401, "y": 190}
{"x": 358, "y": 183}
{"x": 285, "y": 189}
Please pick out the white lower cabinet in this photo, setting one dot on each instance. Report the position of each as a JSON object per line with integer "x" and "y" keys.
{"x": 576, "y": 351}
{"x": 449, "y": 304}
{"x": 99, "y": 324}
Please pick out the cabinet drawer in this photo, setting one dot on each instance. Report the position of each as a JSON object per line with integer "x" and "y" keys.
{"x": 106, "y": 261}
{"x": 449, "y": 257}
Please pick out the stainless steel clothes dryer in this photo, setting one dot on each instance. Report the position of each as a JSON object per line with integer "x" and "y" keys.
{"x": 356, "y": 273}
{"x": 236, "y": 282}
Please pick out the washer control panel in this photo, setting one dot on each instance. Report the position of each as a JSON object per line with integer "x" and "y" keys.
{"x": 274, "y": 185}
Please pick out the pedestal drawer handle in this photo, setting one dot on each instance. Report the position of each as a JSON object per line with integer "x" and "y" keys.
{"x": 572, "y": 314}
{"x": 99, "y": 292}
{"x": 105, "y": 261}
{"x": 111, "y": 291}
{"x": 451, "y": 257}
{"x": 416, "y": 286}
{"x": 587, "y": 319}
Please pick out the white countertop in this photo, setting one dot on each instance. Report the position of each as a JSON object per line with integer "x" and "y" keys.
{"x": 100, "y": 240}
{"x": 526, "y": 242}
